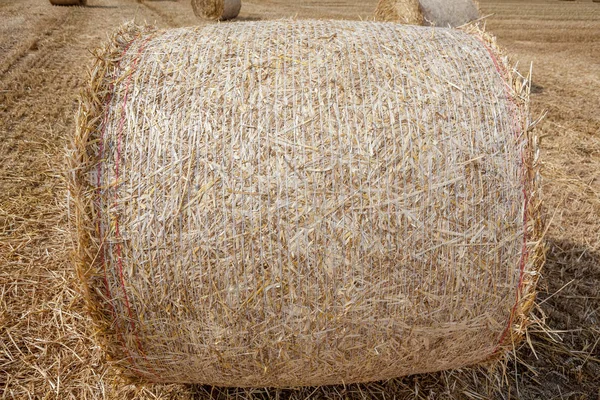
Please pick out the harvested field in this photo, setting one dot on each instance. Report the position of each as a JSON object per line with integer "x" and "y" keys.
{"x": 46, "y": 342}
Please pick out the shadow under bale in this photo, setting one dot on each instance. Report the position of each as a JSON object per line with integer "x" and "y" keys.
{"x": 569, "y": 296}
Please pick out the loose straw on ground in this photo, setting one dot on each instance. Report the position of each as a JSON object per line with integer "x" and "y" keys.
{"x": 304, "y": 203}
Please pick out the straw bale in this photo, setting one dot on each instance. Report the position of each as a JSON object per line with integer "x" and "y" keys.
{"x": 217, "y": 9}
{"x": 442, "y": 13}
{"x": 403, "y": 11}
{"x": 449, "y": 13}
{"x": 294, "y": 203}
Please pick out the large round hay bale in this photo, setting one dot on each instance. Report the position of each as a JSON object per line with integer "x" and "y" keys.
{"x": 448, "y": 13}
{"x": 304, "y": 203}
{"x": 68, "y": 2}
{"x": 216, "y": 9}
{"x": 403, "y": 11}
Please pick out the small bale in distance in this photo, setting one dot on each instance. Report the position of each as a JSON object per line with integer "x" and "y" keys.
{"x": 68, "y": 2}
{"x": 403, "y": 11}
{"x": 302, "y": 203}
{"x": 217, "y": 10}
{"x": 440, "y": 13}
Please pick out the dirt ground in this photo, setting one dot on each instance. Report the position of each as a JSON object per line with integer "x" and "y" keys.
{"x": 45, "y": 345}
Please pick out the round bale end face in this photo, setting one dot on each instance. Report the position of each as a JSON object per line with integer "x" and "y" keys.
{"x": 304, "y": 203}
{"x": 448, "y": 13}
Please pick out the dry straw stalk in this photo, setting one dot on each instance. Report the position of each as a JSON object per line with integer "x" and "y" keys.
{"x": 304, "y": 203}
{"x": 216, "y": 9}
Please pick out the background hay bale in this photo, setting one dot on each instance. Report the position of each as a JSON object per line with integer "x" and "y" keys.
{"x": 448, "y": 13}
{"x": 68, "y": 2}
{"x": 304, "y": 203}
{"x": 442, "y": 13}
{"x": 403, "y": 11}
{"x": 217, "y": 9}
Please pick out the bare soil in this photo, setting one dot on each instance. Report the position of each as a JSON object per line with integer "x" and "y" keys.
{"x": 46, "y": 350}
